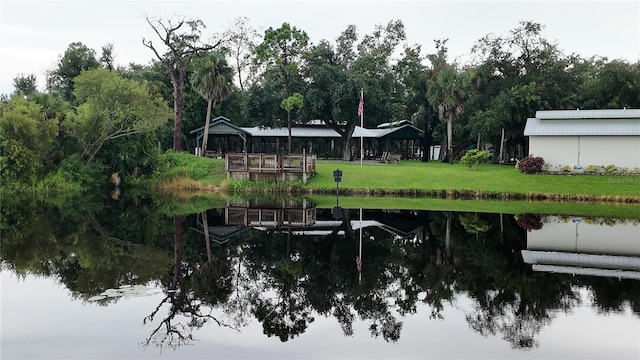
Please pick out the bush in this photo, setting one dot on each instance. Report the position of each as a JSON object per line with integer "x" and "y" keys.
{"x": 531, "y": 164}
{"x": 475, "y": 157}
{"x": 529, "y": 221}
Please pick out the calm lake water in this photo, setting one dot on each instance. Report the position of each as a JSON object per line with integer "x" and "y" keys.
{"x": 284, "y": 279}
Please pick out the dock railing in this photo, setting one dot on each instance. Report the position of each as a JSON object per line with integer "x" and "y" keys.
{"x": 270, "y": 166}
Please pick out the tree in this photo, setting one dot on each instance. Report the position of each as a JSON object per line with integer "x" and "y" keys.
{"x": 281, "y": 49}
{"x": 336, "y": 76}
{"x": 212, "y": 80}
{"x": 447, "y": 92}
{"x": 113, "y": 107}
{"x": 76, "y": 59}
{"x": 241, "y": 44}
{"x": 413, "y": 76}
{"x": 278, "y": 57}
{"x": 25, "y": 84}
{"x": 107, "y": 58}
{"x": 25, "y": 141}
{"x": 182, "y": 47}
{"x": 610, "y": 85}
{"x": 516, "y": 75}
{"x": 294, "y": 101}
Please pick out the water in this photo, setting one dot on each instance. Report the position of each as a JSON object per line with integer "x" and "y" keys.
{"x": 279, "y": 279}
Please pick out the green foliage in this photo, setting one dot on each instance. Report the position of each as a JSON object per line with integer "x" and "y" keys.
{"x": 136, "y": 155}
{"x": 475, "y": 157}
{"x": 90, "y": 176}
{"x": 25, "y": 84}
{"x": 26, "y": 139}
{"x": 76, "y": 59}
{"x": 608, "y": 85}
{"x": 212, "y": 78}
{"x": 473, "y": 223}
{"x": 182, "y": 164}
{"x": 448, "y": 92}
{"x": 294, "y": 101}
{"x": 113, "y": 107}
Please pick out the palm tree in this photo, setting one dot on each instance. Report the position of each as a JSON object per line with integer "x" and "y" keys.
{"x": 447, "y": 92}
{"x": 211, "y": 78}
{"x": 294, "y": 101}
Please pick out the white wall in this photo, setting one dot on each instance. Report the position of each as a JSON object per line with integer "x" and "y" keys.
{"x": 558, "y": 151}
{"x": 581, "y": 237}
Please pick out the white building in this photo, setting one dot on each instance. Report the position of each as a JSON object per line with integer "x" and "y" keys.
{"x": 582, "y": 138}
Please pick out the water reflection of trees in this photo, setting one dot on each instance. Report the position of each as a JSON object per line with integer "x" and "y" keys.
{"x": 285, "y": 280}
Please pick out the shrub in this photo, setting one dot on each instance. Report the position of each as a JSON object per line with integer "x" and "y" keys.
{"x": 531, "y": 164}
{"x": 529, "y": 221}
{"x": 592, "y": 168}
{"x": 475, "y": 157}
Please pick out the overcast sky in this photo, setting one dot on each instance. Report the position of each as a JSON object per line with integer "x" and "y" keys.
{"x": 34, "y": 34}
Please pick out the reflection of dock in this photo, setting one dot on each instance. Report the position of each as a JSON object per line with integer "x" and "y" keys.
{"x": 585, "y": 247}
{"x": 271, "y": 166}
{"x": 270, "y": 214}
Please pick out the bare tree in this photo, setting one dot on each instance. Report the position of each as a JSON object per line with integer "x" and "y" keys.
{"x": 182, "y": 39}
{"x": 240, "y": 42}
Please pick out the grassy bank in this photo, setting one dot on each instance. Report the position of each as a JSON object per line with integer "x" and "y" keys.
{"x": 407, "y": 179}
{"x": 436, "y": 176}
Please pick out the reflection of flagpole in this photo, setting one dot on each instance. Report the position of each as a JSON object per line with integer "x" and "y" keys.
{"x": 361, "y": 113}
{"x": 360, "y": 250}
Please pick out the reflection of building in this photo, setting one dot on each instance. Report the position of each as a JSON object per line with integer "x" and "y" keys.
{"x": 585, "y": 247}
{"x": 270, "y": 214}
{"x": 299, "y": 218}
{"x": 326, "y": 227}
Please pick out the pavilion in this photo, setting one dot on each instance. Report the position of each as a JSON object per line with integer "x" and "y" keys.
{"x": 314, "y": 137}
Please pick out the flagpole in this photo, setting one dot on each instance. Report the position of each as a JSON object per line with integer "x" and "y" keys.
{"x": 361, "y": 127}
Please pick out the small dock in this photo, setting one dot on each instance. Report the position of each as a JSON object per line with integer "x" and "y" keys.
{"x": 274, "y": 167}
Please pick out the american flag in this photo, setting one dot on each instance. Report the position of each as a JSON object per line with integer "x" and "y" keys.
{"x": 361, "y": 107}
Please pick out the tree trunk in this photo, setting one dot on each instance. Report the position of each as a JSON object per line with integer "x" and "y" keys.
{"x": 450, "y": 140}
{"x": 205, "y": 136}
{"x": 289, "y": 128}
{"x": 501, "y": 157}
{"x": 426, "y": 146}
{"x": 177, "y": 251}
{"x": 177, "y": 121}
{"x": 346, "y": 149}
{"x": 205, "y": 229}
{"x": 447, "y": 235}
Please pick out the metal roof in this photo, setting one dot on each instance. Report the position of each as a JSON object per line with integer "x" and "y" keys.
{"x": 406, "y": 131}
{"x": 222, "y": 125}
{"x": 297, "y": 132}
{"x": 588, "y": 114}
{"x": 622, "y": 122}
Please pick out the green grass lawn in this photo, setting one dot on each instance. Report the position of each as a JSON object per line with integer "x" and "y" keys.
{"x": 436, "y": 175}
{"x": 415, "y": 175}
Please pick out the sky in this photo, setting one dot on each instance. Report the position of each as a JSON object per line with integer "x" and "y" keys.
{"x": 35, "y": 33}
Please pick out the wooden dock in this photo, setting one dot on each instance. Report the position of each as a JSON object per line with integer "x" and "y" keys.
{"x": 274, "y": 167}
